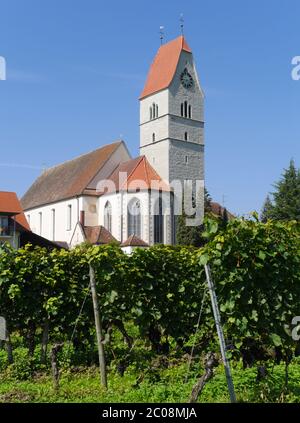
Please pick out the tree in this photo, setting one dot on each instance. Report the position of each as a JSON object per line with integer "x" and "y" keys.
{"x": 286, "y": 197}
{"x": 266, "y": 210}
{"x": 192, "y": 235}
{"x": 224, "y": 218}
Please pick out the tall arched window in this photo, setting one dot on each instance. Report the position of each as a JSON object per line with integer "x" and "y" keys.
{"x": 190, "y": 111}
{"x": 153, "y": 137}
{"x": 150, "y": 113}
{"x": 159, "y": 222}
{"x": 185, "y": 109}
{"x": 134, "y": 217}
{"x": 156, "y": 110}
{"x": 181, "y": 109}
{"x": 107, "y": 216}
{"x": 186, "y": 137}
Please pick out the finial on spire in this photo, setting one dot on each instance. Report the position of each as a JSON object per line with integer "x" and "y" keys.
{"x": 181, "y": 20}
{"x": 161, "y": 34}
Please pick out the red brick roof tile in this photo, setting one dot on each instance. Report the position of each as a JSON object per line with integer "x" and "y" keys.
{"x": 9, "y": 203}
{"x": 68, "y": 179}
{"x": 134, "y": 241}
{"x": 98, "y": 235}
{"x": 164, "y": 66}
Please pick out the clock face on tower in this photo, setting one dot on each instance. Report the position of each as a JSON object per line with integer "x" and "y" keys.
{"x": 186, "y": 79}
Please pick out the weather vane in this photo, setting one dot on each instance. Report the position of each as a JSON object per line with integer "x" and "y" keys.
{"x": 161, "y": 32}
{"x": 181, "y": 23}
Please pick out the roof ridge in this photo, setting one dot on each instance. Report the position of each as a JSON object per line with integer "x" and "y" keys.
{"x": 146, "y": 169}
{"x": 80, "y": 156}
{"x": 8, "y": 192}
{"x": 128, "y": 176}
{"x": 120, "y": 142}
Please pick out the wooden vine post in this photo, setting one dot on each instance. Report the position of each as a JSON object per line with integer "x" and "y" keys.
{"x": 217, "y": 318}
{"x": 100, "y": 338}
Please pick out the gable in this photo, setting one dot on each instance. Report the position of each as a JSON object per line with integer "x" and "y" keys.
{"x": 164, "y": 66}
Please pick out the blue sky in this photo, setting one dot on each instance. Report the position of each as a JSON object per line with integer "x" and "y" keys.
{"x": 75, "y": 70}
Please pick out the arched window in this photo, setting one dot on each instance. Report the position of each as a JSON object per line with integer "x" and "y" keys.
{"x": 185, "y": 109}
{"x": 134, "y": 218}
{"x": 186, "y": 137}
{"x": 181, "y": 109}
{"x": 107, "y": 216}
{"x": 159, "y": 222}
{"x": 156, "y": 109}
{"x": 190, "y": 111}
{"x": 150, "y": 113}
{"x": 153, "y": 137}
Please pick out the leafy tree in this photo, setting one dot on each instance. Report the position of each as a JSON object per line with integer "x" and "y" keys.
{"x": 192, "y": 235}
{"x": 286, "y": 198}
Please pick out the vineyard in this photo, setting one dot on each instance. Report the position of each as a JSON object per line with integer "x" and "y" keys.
{"x": 149, "y": 305}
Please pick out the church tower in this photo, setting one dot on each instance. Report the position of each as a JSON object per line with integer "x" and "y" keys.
{"x": 172, "y": 115}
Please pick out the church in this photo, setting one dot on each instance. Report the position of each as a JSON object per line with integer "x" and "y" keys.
{"x": 106, "y": 195}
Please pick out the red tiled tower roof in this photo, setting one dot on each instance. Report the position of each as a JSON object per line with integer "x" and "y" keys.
{"x": 164, "y": 66}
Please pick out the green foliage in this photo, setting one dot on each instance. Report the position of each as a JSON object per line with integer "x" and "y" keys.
{"x": 256, "y": 268}
{"x": 83, "y": 386}
{"x": 192, "y": 235}
{"x": 286, "y": 198}
{"x": 158, "y": 292}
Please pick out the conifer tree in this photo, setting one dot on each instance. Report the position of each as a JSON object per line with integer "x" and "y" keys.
{"x": 286, "y": 197}
{"x": 266, "y": 210}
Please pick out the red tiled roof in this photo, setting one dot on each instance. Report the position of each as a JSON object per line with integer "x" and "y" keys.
{"x": 218, "y": 210}
{"x": 98, "y": 235}
{"x": 164, "y": 66}
{"x": 68, "y": 179}
{"x": 9, "y": 203}
{"x": 22, "y": 221}
{"x": 134, "y": 241}
{"x": 140, "y": 175}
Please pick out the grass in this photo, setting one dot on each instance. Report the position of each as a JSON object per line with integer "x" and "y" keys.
{"x": 82, "y": 385}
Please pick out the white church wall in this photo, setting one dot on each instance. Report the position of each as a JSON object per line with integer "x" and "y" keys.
{"x": 160, "y": 98}
{"x": 119, "y": 203}
{"x": 90, "y": 207}
{"x": 157, "y": 155}
{"x": 114, "y": 200}
{"x": 157, "y": 126}
{"x": 44, "y": 215}
{"x": 77, "y": 236}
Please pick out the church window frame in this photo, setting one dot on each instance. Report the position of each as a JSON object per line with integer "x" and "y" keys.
{"x": 108, "y": 216}
{"x": 158, "y": 226}
{"x": 69, "y": 217}
{"x": 134, "y": 218}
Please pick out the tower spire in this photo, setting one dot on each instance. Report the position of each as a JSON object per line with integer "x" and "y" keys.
{"x": 181, "y": 20}
{"x": 161, "y": 34}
